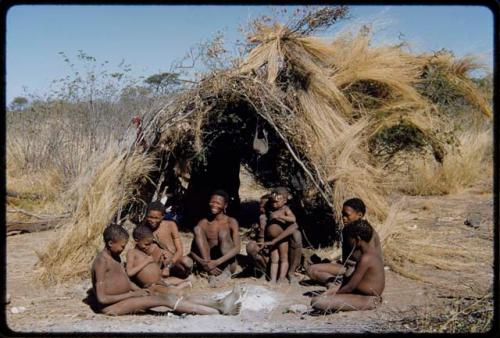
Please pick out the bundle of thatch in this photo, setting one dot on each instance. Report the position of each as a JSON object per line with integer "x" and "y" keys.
{"x": 322, "y": 102}
{"x": 101, "y": 192}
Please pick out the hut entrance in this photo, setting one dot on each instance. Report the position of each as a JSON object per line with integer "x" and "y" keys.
{"x": 228, "y": 138}
{"x": 220, "y": 171}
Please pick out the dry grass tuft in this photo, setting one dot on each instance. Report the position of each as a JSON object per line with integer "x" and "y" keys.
{"x": 469, "y": 164}
{"x": 110, "y": 185}
{"x": 407, "y": 247}
{"x": 460, "y": 315}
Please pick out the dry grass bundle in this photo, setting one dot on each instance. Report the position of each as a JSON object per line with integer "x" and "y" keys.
{"x": 407, "y": 248}
{"x": 110, "y": 185}
{"x": 350, "y": 170}
{"x": 469, "y": 164}
{"x": 456, "y": 72}
{"x": 355, "y": 61}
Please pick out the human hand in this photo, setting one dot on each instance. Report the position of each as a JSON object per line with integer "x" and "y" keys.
{"x": 265, "y": 245}
{"x": 215, "y": 271}
{"x": 211, "y": 264}
{"x": 165, "y": 258}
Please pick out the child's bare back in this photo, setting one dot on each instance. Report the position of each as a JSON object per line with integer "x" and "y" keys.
{"x": 109, "y": 274}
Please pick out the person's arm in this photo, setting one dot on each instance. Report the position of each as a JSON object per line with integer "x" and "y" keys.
{"x": 235, "y": 235}
{"x": 287, "y": 215}
{"x": 134, "y": 286}
{"x": 262, "y": 227}
{"x": 360, "y": 271}
{"x": 100, "y": 290}
{"x": 179, "y": 249}
{"x": 133, "y": 266}
{"x": 285, "y": 233}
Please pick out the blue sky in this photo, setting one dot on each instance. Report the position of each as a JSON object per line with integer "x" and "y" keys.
{"x": 150, "y": 38}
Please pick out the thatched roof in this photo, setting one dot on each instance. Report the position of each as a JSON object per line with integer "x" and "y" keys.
{"x": 322, "y": 102}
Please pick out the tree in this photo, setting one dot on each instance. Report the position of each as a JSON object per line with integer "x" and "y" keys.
{"x": 162, "y": 82}
{"x": 19, "y": 103}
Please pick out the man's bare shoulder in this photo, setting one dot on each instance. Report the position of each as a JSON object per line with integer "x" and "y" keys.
{"x": 133, "y": 251}
{"x": 167, "y": 225}
{"x": 203, "y": 222}
{"x": 232, "y": 221}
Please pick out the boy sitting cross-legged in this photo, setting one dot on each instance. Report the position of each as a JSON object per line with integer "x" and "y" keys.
{"x": 364, "y": 288}
{"x": 166, "y": 236}
{"x": 117, "y": 295}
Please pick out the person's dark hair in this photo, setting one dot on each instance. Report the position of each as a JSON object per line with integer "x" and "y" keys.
{"x": 114, "y": 232}
{"x": 157, "y": 206}
{"x": 142, "y": 232}
{"x": 281, "y": 191}
{"x": 357, "y": 204}
{"x": 360, "y": 228}
{"x": 221, "y": 193}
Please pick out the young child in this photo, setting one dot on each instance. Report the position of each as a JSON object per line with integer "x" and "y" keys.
{"x": 166, "y": 236}
{"x": 280, "y": 224}
{"x": 259, "y": 230}
{"x": 328, "y": 273}
{"x": 117, "y": 295}
{"x": 364, "y": 288}
{"x": 216, "y": 241}
{"x": 144, "y": 262}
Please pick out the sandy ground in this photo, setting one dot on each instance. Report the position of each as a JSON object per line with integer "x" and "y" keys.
{"x": 61, "y": 308}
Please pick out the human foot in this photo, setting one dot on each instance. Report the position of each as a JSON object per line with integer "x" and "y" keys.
{"x": 231, "y": 304}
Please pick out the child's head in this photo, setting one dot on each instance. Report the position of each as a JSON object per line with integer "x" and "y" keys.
{"x": 218, "y": 202}
{"x": 143, "y": 236}
{"x": 154, "y": 216}
{"x": 263, "y": 202}
{"x": 279, "y": 197}
{"x": 353, "y": 210}
{"x": 359, "y": 230}
{"x": 115, "y": 238}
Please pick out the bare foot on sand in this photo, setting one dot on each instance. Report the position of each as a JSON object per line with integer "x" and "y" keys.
{"x": 231, "y": 304}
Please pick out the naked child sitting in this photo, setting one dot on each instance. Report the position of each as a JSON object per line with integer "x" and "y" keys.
{"x": 166, "y": 236}
{"x": 353, "y": 210}
{"x": 144, "y": 263}
{"x": 117, "y": 295}
{"x": 364, "y": 288}
{"x": 216, "y": 241}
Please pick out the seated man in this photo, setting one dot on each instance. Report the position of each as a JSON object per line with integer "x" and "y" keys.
{"x": 166, "y": 235}
{"x": 328, "y": 273}
{"x": 117, "y": 295}
{"x": 278, "y": 223}
{"x": 144, "y": 263}
{"x": 363, "y": 290}
{"x": 216, "y": 240}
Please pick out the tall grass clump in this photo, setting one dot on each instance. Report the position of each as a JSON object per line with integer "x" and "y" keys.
{"x": 99, "y": 194}
{"x": 469, "y": 164}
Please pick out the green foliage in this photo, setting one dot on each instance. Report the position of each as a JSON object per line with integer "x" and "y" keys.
{"x": 163, "y": 82}
{"x": 19, "y": 103}
{"x": 401, "y": 136}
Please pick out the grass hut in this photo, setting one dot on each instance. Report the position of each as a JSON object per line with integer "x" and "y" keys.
{"x": 320, "y": 104}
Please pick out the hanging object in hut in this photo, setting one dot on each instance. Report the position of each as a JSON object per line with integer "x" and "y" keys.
{"x": 260, "y": 145}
